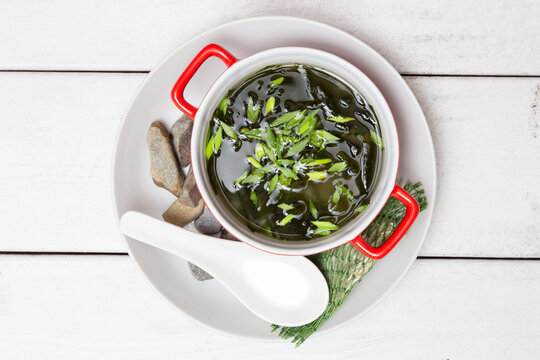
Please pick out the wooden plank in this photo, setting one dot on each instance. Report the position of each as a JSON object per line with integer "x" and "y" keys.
{"x": 453, "y": 37}
{"x": 55, "y": 149}
{"x": 58, "y": 130}
{"x": 90, "y": 307}
{"x": 486, "y": 133}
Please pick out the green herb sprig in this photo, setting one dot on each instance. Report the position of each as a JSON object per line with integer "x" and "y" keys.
{"x": 345, "y": 266}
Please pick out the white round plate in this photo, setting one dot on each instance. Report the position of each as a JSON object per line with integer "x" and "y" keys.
{"x": 208, "y": 302}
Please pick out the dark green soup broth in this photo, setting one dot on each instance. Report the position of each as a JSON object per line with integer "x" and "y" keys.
{"x": 294, "y": 152}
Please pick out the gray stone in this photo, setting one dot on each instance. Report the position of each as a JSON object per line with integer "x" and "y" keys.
{"x": 227, "y": 235}
{"x": 207, "y": 223}
{"x": 166, "y": 158}
{"x": 190, "y": 194}
{"x": 164, "y": 166}
{"x": 181, "y": 139}
{"x": 199, "y": 273}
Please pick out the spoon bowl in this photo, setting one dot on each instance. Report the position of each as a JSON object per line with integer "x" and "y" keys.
{"x": 283, "y": 290}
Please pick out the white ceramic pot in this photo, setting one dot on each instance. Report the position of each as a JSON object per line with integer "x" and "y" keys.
{"x": 386, "y": 181}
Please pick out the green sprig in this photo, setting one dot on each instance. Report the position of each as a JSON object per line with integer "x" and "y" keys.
{"x": 340, "y": 119}
{"x": 344, "y": 266}
{"x": 253, "y": 110}
{"x": 277, "y": 81}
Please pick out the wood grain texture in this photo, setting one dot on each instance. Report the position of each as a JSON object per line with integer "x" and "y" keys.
{"x": 88, "y": 307}
{"x": 55, "y": 149}
{"x": 419, "y": 37}
{"x": 486, "y": 133}
{"x": 58, "y": 132}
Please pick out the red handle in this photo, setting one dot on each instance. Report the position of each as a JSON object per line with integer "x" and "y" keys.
{"x": 177, "y": 93}
{"x": 412, "y": 209}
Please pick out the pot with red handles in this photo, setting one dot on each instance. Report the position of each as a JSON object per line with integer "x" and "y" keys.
{"x": 384, "y": 188}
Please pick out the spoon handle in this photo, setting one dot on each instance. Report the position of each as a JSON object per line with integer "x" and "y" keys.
{"x": 285, "y": 290}
{"x": 184, "y": 243}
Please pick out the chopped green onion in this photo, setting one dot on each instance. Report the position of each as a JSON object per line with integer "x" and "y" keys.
{"x": 340, "y": 119}
{"x": 308, "y": 124}
{"x": 289, "y": 139}
{"x": 259, "y": 151}
{"x": 241, "y": 178}
{"x": 272, "y": 184}
{"x": 270, "y": 138}
{"x": 316, "y": 141}
{"x": 270, "y": 103}
{"x": 254, "y": 198}
{"x": 337, "y": 167}
{"x": 316, "y": 175}
{"x": 285, "y": 118}
{"x": 284, "y": 181}
{"x": 254, "y": 162}
{"x": 341, "y": 189}
{"x": 288, "y": 172}
{"x": 346, "y": 192}
{"x": 218, "y": 138}
{"x": 223, "y": 105}
{"x": 285, "y": 206}
{"x": 253, "y": 110}
{"x": 296, "y": 148}
{"x": 285, "y": 162}
{"x": 268, "y": 231}
{"x": 336, "y": 195}
{"x": 209, "y": 148}
{"x": 286, "y": 220}
{"x": 304, "y": 126}
{"x": 313, "y": 209}
{"x": 269, "y": 153}
{"x": 322, "y": 232}
{"x": 325, "y": 225}
{"x": 297, "y": 166}
{"x": 283, "y": 131}
{"x": 376, "y": 139}
{"x": 253, "y": 178}
{"x": 277, "y": 81}
{"x": 296, "y": 120}
{"x": 361, "y": 208}
{"x": 315, "y": 162}
{"x": 279, "y": 143}
{"x": 253, "y": 133}
{"x": 268, "y": 168}
{"x": 229, "y": 131}
{"x": 325, "y": 135}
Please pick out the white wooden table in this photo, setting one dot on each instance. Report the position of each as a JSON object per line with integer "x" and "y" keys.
{"x": 69, "y": 291}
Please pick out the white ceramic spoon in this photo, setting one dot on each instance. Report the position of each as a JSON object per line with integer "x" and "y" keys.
{"x": 283, "y": 290}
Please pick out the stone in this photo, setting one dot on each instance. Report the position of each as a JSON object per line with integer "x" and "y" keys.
{"x": 164, "y": 166}
{"x": 181, "y": 140}
{"x": 190, "y": 193}
{"x": 199, "y": 273}
{"x": 166, "y": 158}
{"x": 188, "y": 206}
{"x": 227, "y": 235}
{"x": 181, "y": 214}
{"x": 207, "y": 223}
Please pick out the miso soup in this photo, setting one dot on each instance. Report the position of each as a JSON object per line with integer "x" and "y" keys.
{"x": 294, "y": 152}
